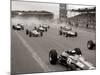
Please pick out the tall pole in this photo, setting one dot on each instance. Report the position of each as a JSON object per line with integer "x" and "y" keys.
{"x": 62, "y": 12}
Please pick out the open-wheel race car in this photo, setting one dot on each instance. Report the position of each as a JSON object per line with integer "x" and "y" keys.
{"x": 91, "y": 45}
{"x": 34, "y": 32}
{"x": 46, "y": 26}
{"x": 68, "y": 28}
{"x": 42, "y": 29}
{"x": 67, "y": 31}
{"x": 18, "y": 27}
{"x": 71, "y": 59}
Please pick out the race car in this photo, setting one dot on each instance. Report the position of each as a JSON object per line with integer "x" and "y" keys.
{"x": 46, "y": 27}
{"x": 34, "y": 33}
{"x": 68, "y": 28}
{"x": 67, "y": 31}
{"x": 18, "y": 27}
{"x": 91, "y": 45}
{"x": 71, "y": 59}
{"x": 41, "y": 29}
{"x": 28, "y": 29}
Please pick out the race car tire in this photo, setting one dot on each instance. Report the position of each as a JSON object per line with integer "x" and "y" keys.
{"x": 78, "y": 51}
{"x": 46, "y": 29}
{"x": 13, "y": 27}
{"x": 61, "y": 27}
{"x": 53, "y": 57}
{"x": 30, "y": 34}
{"x": 90, "y": 44}
{"x": 41, "y": 34}
{"x": 76, "y": 34}
{"x": 27, "y": 32}
{"x": 60, "y": 32}
{"x": 66, "y": 35}
{"x": 22, "y": 28}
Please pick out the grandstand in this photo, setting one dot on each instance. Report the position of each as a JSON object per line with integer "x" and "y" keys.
{"x": 85, "y": 19}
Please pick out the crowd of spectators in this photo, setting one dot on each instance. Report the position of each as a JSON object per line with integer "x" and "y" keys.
{"x": 87, "y": 20}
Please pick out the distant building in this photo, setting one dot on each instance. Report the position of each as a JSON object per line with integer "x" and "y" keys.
{"x": 36, "y": 14}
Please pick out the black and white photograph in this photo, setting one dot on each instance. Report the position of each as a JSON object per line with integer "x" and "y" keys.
{"x": 52, "y": 37}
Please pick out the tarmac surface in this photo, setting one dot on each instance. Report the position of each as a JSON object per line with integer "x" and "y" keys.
{"x": 31, "y": 54}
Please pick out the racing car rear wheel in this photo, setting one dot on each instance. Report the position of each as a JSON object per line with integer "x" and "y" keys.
{"x": 41, "y": 33}
{"x": 76, "y": 34}
{"x": 61, "y": 27}
{"x": 30, "y": 34}
{"x": 53, "y": 57}
{"x": 46, "y": 29}
{"x": 22, "y": 28}
{"x": 60, "y": 32}
{"x": 90, "y": 44}
{"x": 78, "y": 51}
{"x": 27, "y": 31}
{"x": 13, "y": 27}
{"x": 66, "y": 35}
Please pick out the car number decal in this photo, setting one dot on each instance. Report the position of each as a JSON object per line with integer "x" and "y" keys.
{"x": 69, "y": 60}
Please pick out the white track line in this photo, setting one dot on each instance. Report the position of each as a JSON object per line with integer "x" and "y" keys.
{"x": 34, "y": 54}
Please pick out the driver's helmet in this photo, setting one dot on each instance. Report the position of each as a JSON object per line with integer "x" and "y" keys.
{"x": 71, "y": 52}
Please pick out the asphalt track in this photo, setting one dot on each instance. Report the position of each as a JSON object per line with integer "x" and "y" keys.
{"x": 30, "y": 55}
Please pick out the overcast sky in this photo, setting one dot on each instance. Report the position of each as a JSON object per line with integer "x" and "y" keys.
{"x": 29, "y": 5}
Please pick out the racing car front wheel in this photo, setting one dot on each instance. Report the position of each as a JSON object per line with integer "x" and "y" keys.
{"x": 53, "y": 57}
{"x": 90, "y": 44}
{"x": 78, "y": 51}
